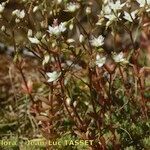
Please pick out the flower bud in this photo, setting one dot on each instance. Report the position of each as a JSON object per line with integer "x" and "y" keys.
{"x": 88, "y": 10}
{"x": 3, "y": 28}
{"x": 29, "y": 32}
{"x": 35, "y": 8}
{"x": 68, "y": 101}
{"x": 81, "y": 38}
{"x": 71, "y": 26}
{"x": 75, "y": 103}
{"x": 59, "y": 1}
{"x": 70, "y": 41}
{"x": 17, "y": 20}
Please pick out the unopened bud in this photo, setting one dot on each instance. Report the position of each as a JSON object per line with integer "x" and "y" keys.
{"x": 88, "y": 10}
{"x": 81, "y": 38}
{"x": 68, "y": 101}
{"x": 35, "y": 8}
{"x": 59, "y": 1}
{"x": 70, "y": 41}
{"x": 71, "y": 26}
{"x": 17, "y": 20}
{"x": 75, "y": 103}
{"x": 29, "y": 32}
{"x": 3, "y": 28}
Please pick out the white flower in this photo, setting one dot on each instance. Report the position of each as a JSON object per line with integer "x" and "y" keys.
{"x": 142, "y": 3}
{"x": 97, "y": 42}
{"x": 62, "y": 27}
{"x": 19, "y": 13}
{"x": 57, "y": 29}
{"x": 53, "y": 76}
{"x": 72, "y": 7}
{"x": 106, "y": 10}
{"x": 119, "y": 58}
{"x": 100, "y": 61}
{"x": 111, "y": 7}
{"x": 115, "y": 6}
{"x": 34, "y": 40}
{"x": 109, "y": 14}
{"x": 130, "y": 17}
{"x": 110, "y": 11}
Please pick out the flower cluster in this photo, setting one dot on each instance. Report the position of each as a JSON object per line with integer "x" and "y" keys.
{"x": 20, "y": 14}
{"x": 111, "y": 11}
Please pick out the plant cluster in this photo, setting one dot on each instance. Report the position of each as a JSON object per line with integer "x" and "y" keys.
{"x": 94, "y": 61}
